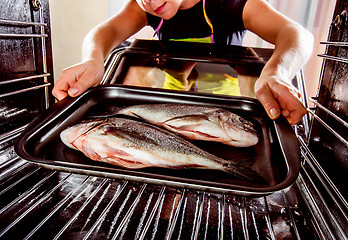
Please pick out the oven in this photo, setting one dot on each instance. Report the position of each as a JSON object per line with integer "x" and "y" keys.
{"x": 57, "y": 200}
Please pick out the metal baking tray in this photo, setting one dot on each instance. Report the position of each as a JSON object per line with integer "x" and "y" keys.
{"x": 277, "y": 154}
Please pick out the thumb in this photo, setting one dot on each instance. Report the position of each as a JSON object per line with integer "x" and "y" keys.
{"x": 77, "y": 89}
{"x": 270, "y": 104}
{"x": 81, "y": 85}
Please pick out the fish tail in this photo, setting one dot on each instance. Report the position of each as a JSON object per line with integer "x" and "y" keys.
{"x": 242, "y": 170}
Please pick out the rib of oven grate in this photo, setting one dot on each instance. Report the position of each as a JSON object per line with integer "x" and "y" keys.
{"x": 43, "y": 204}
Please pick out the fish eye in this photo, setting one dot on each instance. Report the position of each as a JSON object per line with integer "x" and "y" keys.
{"x": 242, "y": 120}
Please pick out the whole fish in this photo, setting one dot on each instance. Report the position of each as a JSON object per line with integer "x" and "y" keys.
{"x": 198, "y": 122}
{"x": 135, "y": 144}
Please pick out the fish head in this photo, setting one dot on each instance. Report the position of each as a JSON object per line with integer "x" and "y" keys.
{"x": 72, "y": 136}
{"x": 240, "y": 130}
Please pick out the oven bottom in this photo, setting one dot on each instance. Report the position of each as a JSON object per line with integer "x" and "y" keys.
{"x": 45, "y": 204}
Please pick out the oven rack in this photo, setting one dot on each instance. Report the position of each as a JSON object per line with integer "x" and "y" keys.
{"x": 310, "y": 159}
{"x": 42, "y": 36}
{"x": 69, "y": 205}
{"x": 328, "y": 206}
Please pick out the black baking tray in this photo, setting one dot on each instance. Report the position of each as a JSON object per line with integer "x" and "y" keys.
{"x": 277, "y": 154}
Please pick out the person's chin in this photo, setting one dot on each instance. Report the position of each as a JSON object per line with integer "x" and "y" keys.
{"x": 168, "y": 15}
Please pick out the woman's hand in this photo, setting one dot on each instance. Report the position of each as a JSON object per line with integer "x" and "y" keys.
{"x": 97, "y": 44}
{"x": 76, "y": 79}
{"x": 279, "y": 97}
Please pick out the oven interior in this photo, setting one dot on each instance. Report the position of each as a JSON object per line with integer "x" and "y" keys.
{"x": 39, "y": 202}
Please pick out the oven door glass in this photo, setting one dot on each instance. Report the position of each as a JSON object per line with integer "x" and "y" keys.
{"x": 185, "y": 75}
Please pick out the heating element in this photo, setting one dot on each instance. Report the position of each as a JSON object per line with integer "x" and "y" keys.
{"x": 41, "y": 203}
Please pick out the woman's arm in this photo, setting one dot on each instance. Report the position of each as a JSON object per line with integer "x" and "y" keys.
{"x": 293, "y": 48}
{"x": 96, "y": 46}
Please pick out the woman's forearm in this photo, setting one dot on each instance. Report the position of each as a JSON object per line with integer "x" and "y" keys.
{"x": 273, "y": 88}
{"x": 99, "y": 42}
{"x": 293, "y": 48}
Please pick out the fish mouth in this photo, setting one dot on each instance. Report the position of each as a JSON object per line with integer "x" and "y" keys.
{"x": 160, "y": 9}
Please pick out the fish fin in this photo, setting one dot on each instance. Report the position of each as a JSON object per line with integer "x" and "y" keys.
{"x": 134, "y": 115}
{"x": 89, "y": 151}
{"x": 190, "y": 132}
{"x": 194, "y": 119}
{"x": 189, "y": 126}
{"x": 242, "y": 169}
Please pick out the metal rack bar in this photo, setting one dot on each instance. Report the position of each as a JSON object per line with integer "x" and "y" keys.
{"x": 323, "y": 65}
{"x": 146, "y": 216}
{"x": 244, "y": 220}
{"x": 105, "y": 190}
{"x": 44, "y": 55}
{"x": 24, "y": 78}
{"x": 5, "y": 21}
{"x": 221, "y": 216}
{"x": 174, "y": 219}
{"x": 181, "y": 217}
{"x": 340, "y": 120}
{"x": 342, "y": 139}
{"x": 28, "y": 192}
{"x": 338, "y": 59}
{"x": 14, "y": 170}
{"x": 24, "y": 90}
{"x": 11, "y": 135}
{"x": 268, "y": 218}
{"x": 9, "y": 162}
{"x": 302, "y": 88}
{"x": 42, "y": 35}
{"x": 322, "y": 176}
{"x": 15, "y": 35}
{"x": 197, "y": 220}
{"x": 335, "y": 44}
{"x": 291, "y": 216}
{"x": 23, "y": 178}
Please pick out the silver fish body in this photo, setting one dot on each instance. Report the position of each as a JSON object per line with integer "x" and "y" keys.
{"x": 198, "y": 122}
{"x": 134, "y": 144}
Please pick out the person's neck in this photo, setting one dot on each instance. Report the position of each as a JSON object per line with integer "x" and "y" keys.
{"x": 186, "y": 4}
